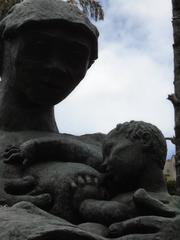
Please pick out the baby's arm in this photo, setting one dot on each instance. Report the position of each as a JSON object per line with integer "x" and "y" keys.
{"x": 61, "y": 149}
{"x": 147, "y": 206}
{"x": 104, "y": 212}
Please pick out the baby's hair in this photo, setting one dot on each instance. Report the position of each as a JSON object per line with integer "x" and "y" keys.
{"x": 135, "y": 130}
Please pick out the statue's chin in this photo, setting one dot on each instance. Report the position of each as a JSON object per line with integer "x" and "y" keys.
{"x": 48, "y": 96}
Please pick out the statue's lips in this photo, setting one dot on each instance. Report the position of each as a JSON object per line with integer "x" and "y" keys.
{"x": 56, "y": 80}
{"x": 55, "y": 83}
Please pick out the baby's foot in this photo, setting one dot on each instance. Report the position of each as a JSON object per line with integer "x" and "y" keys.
{"x": 84, "y": 186}
{"x": 115, "y": 230}
{"x": 83, "y": 180}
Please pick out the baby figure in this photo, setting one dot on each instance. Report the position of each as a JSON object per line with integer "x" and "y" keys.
{"x": 134, "y": 155}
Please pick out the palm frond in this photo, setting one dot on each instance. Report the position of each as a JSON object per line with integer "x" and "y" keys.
{"x": 5, "y": 5}
{"x": 91, "y": 8}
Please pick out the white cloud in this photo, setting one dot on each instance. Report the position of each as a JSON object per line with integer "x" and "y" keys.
{"x": 133, "y": 75}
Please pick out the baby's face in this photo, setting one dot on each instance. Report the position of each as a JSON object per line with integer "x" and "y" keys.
{"x": 123, "y": 159}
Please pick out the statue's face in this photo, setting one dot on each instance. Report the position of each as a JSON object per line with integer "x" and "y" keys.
{"x": 123, "y": 159}
{"x": 48, "y": 63}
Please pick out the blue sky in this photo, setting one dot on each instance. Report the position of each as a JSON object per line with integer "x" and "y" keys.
{"x": 133, "y": 75}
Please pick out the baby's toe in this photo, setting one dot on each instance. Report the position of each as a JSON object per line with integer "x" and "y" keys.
{"x": 81, "y": 181}
{"x": 73, "y": 184}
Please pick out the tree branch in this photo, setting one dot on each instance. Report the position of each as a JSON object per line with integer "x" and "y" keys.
{"x": 175, "y": 101}
{"x": 172, "y": 139}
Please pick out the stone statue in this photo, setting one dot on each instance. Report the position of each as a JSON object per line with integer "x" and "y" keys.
{"x": 52, "y": 184}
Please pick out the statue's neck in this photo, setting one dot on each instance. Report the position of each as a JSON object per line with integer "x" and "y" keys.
{"x": 16, "y": 114}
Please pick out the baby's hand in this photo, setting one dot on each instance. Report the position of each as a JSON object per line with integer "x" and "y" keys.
{"x": 13, "y": 155}
{"x": 22, "y": 155}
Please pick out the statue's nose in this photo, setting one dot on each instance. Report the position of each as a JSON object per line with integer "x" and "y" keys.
{"x": 56, "y": 63}
{"x": 53, "y": 64}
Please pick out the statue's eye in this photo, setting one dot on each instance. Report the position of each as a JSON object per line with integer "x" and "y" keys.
{"x": 37, "y": 50}
{"x": 78, "y": 53}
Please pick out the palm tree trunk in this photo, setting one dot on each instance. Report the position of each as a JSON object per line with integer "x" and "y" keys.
{"x": 175, "y": 98}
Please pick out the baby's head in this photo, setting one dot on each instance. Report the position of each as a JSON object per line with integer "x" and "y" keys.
{"x": 132, "y": 146}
